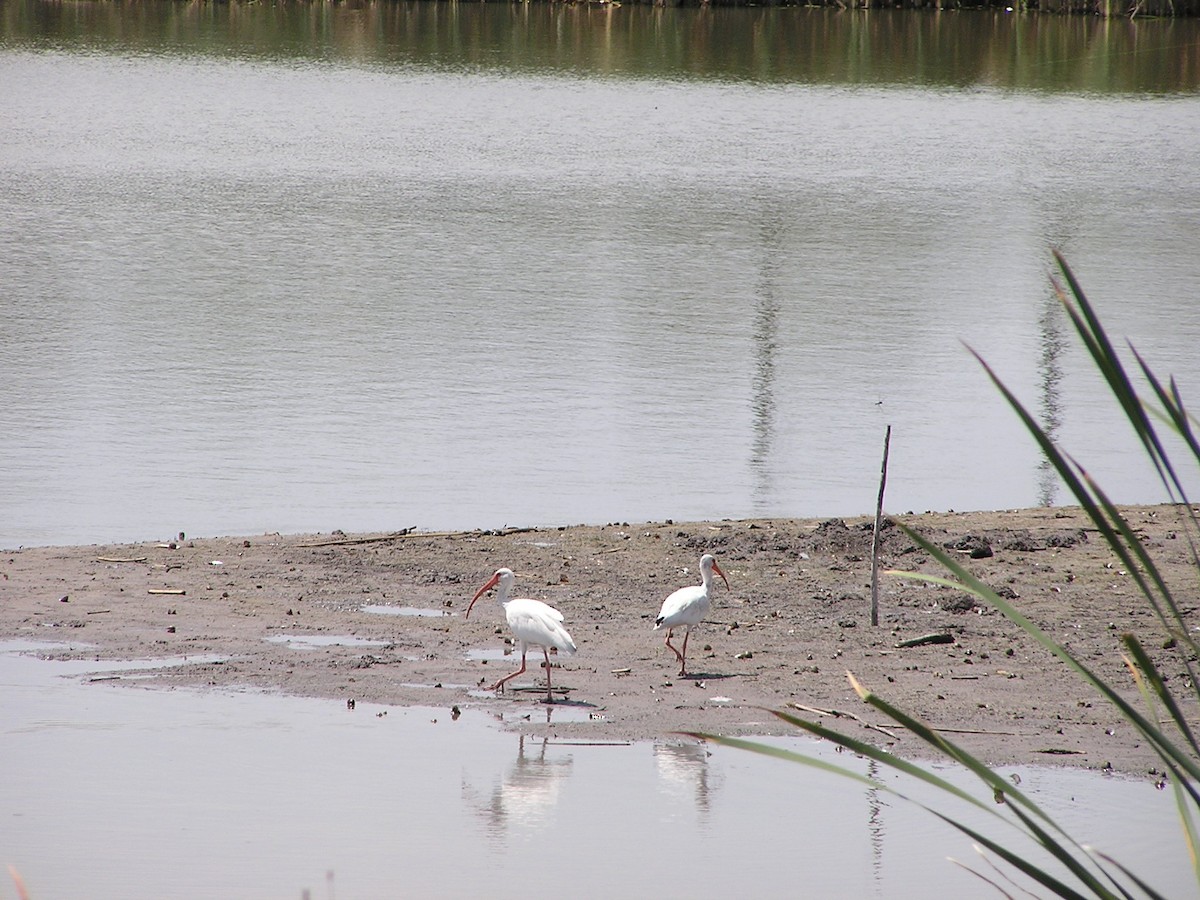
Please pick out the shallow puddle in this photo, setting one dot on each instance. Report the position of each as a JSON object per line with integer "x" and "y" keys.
{"x": 383, "y": 610}
{"x": 492, "y": 654}
{"x": 128, "y": 792}
{"x": 311, "y": 641}
{"x": 557, "y": 713}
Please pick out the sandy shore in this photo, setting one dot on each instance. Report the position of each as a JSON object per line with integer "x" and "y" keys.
{"x": 278, "y": 612}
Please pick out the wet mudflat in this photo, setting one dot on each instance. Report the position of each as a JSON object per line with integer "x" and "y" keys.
{"x": 294, "y": 614}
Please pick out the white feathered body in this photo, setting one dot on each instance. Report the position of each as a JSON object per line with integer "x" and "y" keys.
{"x": 537, "y": 624}
{"x": 686, "y": 606}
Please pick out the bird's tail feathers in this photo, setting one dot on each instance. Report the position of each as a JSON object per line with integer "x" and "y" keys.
{"x": 565, "y": 643}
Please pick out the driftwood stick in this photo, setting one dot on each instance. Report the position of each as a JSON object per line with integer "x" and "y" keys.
{"x": 976, "y": 731}
{"x": 937, "y": 638}
{"x": 887, "y": 440}
{"x": 841, "y": 714}
{"x": 120, "y": 559}
{"x": 837, "y": 714}
{"x": 412, "y": 533}
{"x": 176, "y": 591}
{"x": 538, "y": 689}
{"x": 336, "y": 542}
{"x": 1058, "y": 751}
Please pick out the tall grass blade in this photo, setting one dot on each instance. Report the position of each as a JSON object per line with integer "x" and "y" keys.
{"x": 1172, "y": 737}
{"x": 1044, "y": 878}
{"x": 1174, "y": 415}
{"x": 1165, "y": 748}
{"x": 1154, "y": 679}
{"x": 995, "y": 783}
{"x": 1094, "y": 337}
{"x": 1137, "y": 560}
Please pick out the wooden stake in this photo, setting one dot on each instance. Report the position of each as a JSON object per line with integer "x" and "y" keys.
{"x": 887, "y": 440}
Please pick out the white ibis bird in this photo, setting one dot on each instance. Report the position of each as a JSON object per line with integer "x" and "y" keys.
{"x": 532, "y": 622}
{"x": 688, "y": 606}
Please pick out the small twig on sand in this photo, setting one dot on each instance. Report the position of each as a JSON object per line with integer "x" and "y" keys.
{"x": 176, "y": 591}
{"x": 116, "y": 559}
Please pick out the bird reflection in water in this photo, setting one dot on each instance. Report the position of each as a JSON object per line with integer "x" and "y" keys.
{"x": 683, "y": 770}
{"x": 527, "y": 793}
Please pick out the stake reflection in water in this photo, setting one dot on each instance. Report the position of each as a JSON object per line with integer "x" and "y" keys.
{"x": 766, "y": 340}
{"x": 875, "y": 806}
{"x": 1050, "y": 376}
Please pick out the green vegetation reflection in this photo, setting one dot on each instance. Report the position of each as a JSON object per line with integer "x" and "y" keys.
{"x": 986, "y": 48}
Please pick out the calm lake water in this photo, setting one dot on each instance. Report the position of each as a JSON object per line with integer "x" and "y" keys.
{"x": 372, "y": 266}
{"x": 129, "y": 793}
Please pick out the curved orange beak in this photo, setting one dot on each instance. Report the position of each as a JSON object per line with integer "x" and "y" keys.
{"x": 492, "y": 582}
{"x": 717, "y": 569}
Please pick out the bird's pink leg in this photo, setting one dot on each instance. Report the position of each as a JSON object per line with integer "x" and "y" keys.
{"x": 683, "y": 656}
{"x": 678, "y": 655}
{"x": 499, "y": 685}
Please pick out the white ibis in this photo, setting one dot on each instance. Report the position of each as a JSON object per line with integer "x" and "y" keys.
{"x": 688, "y": 606}
{"x": 532, "y": 622}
